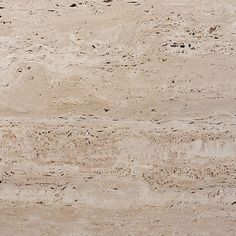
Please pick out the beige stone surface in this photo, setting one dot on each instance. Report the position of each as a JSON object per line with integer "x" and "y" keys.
{"x": 117, "y": 117}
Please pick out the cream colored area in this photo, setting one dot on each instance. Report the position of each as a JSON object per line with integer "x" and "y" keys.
{"x": 117, "y": 117}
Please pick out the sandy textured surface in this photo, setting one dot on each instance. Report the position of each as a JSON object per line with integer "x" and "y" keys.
{"x": 117, "y": 117}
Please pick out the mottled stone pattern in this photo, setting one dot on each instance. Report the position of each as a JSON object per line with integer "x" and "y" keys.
{"x": 117, "y": 117}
